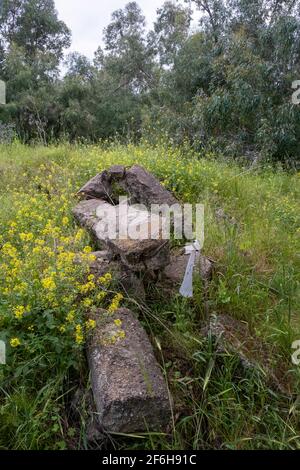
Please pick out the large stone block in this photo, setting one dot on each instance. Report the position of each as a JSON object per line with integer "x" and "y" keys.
{"x": 145, "y": 254}
{"x": 129, "y": 389}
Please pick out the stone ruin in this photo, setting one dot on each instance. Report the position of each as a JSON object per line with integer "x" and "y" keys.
{"x": 128, "y": 386}
{"x": 129, "y": 390}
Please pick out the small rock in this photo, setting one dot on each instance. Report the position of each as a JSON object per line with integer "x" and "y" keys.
{"x": 128, "y": 386}
{"x": 175, "y": 271}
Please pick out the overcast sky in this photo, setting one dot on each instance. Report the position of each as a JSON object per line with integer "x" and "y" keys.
{"x": 87, "y": 18}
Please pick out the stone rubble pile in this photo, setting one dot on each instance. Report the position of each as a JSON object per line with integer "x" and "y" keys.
{"x": 128, "y": 386}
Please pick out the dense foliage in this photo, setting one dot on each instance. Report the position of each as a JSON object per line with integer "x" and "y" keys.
{"x": 225, "y": 85}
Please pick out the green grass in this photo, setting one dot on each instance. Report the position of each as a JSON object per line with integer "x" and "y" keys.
{"x": 216, "y": 405}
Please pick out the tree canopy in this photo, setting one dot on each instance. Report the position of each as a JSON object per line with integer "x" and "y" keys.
{"x": 226, "y": 83}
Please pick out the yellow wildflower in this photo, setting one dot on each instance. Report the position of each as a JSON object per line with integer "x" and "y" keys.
{"x": 115, "y": 303}
{"x": 105, "y": 280}
{"x": 48, "y": 283}
{"x": 15, "y": 342}
{"x": 87, "y": 303}
{"x": 26, "y": 237}
{"x": 79, "y": 338}
{"x": 90, "y": 324}
{"x": 9, "y": 250}
{"x": 39, "y": 242}
{"x": 19, "y": 312}
{"x": 79, "y": 235}
{"x": 84, "y": 289}
{"x": 71, "y": 316}
{"x": 101, "y": 296}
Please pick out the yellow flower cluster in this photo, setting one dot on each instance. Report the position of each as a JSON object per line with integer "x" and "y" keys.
{"x": 90, "y": 324}
{"x": 26, "y": 237}
{"x": 89, "y": 286}
{"x": 79, "y": 337}
{"x": 20, "y": 311}
{"x": 105, "y": 280}
{"x": 115, "y": 304}
{"x": 15, "y": 342}
{"x": 44, "y": 263}
{"x": 49, "y": 284}
{"x": 71, "y": 316}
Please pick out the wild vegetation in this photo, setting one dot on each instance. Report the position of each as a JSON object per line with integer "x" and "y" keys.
{"x": 45, "y": 297}
{"x": 225, "y": 84}
{"x": 194, "y": 105}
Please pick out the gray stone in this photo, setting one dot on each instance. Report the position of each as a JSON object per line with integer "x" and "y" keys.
{"x": 138, "y": 255}
{"x": 141, "y": 186}
{"x": 175, "y": 271}
{"x": 117, "y": 172}
{"x": 97, "y": 188}
{"x": 86, "y": 213}
{"x": 128, "y": 386}
{"x": 141, "y": 255}
{"x": 145, "y": 189}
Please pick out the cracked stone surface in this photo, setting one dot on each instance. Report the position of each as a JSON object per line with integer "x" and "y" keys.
{"x": 147, "y": 254}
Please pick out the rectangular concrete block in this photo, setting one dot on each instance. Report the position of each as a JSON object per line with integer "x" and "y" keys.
{"x": 129, "y": 389}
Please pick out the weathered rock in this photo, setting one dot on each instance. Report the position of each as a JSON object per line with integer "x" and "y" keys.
{"x": 147, "y": 254}
{"x": 142, "y": 187}
{"x": 175, "y": 271}
{"x": 141, "y": 255}
{"x": 234, "y": 336}
{"x": 145, "y": 189}
{"x": 97, "y": 188}
{"x": 128, "y": 386}
{"x": 86, "y": 212}
{"x": 117, "y": 172}
{"x": 206, "y": 268}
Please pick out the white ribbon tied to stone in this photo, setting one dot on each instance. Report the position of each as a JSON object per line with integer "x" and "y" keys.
{"x": 186, "y": 290}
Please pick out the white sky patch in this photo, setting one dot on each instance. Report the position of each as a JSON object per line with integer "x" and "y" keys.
{"x": 88, "y": 19}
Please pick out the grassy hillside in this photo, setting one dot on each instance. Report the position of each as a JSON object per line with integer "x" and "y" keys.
{"x": 256, "y": 280}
